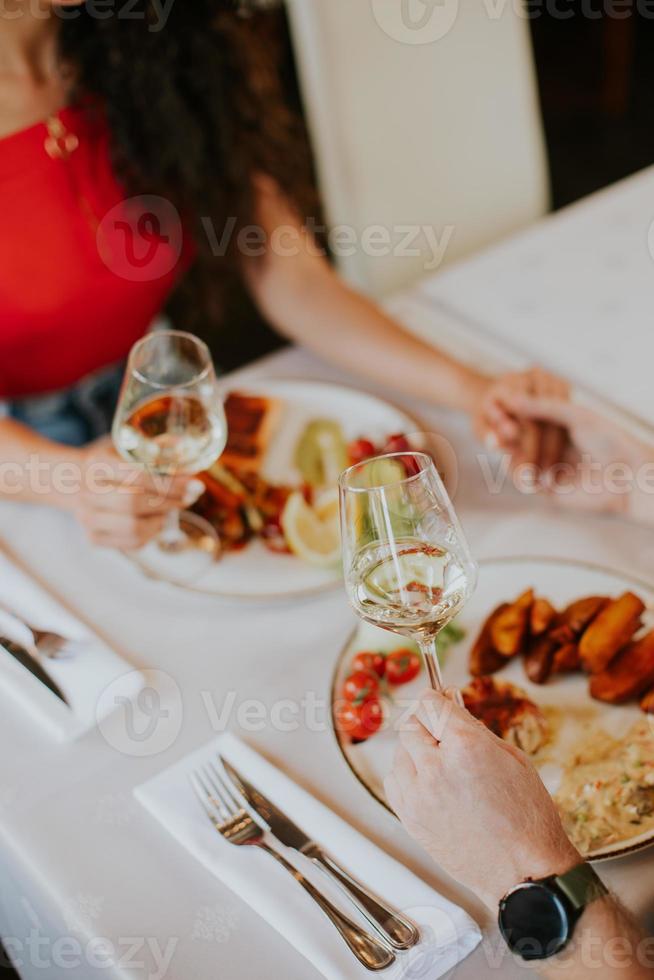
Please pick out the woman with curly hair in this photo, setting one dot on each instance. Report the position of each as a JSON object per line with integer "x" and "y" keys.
{"x": 147, "y": 156}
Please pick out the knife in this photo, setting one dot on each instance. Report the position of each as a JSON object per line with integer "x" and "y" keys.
{"x": 398, "y": 930}
{"x": 25, "y": 658}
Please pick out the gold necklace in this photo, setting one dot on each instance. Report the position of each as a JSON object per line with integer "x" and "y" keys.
{"x": 60, "y": 144}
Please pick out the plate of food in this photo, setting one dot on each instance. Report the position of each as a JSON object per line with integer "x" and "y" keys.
{"x": 273, "y": 496}
{"x": 555, "y": 656}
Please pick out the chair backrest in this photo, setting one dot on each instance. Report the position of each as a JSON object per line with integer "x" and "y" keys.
{"x": 426, "y": 127}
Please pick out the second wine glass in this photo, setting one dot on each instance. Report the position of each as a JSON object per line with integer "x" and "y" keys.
{"x": 406, "y": 561}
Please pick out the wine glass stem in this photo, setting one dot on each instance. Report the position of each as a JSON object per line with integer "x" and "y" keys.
{"x": 428, "y": 649}
{"x": 172, "y": 533}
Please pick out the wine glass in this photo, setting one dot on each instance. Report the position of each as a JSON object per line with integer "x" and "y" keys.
{"x": 407, "y": 564}
{"x": 170, "y": 420}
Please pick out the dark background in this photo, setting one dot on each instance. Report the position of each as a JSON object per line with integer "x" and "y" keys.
{"x": 596, "y": 82}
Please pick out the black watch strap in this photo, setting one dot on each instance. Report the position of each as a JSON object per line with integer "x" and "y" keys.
{"x": 581, "y": 886}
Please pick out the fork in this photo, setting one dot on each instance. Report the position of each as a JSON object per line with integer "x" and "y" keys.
{"x": 235, "y": 824}
{"x": 48, "y": 643}
{"x": 52, "y": 645}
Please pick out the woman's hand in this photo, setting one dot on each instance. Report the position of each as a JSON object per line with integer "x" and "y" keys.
{"x": 606, "y": 470}
{"x": 532, "y": 442}
{"x": 120, "y": 506}
{"x": 475, "y": 803}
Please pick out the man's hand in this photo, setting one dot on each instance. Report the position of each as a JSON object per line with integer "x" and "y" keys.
{"x": 532, "y": 442}
{"x": 475, "y": 803}
{"x": 604, "y": 469}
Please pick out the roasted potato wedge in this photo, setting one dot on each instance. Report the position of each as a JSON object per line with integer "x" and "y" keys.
{"x": 538, "y": 659}
{"x": 541, "y": 616}
{"x": 484, "y": 659}
{"x": 563, "y": 635}
{"x": 509, "y": 628}
{"x": 580, "y": 614}
{"x": 630, "y": 674}
{"x": 566, "y": 658}
{"x": 610, "y": 631}
{"x": 647, "y": 702}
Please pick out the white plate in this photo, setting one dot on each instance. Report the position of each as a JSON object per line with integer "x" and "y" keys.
{"x": 501, "y": 580}
{"x": 256, "y": 573}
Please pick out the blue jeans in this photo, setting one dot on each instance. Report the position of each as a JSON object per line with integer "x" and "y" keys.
{"x": 76, "y": 415}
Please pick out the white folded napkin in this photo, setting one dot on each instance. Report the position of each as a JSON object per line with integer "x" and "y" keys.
{"x": 82, "y": 676}
{"x": 448, "y": 933}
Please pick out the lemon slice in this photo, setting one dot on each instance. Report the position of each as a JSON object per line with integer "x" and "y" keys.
{"x": 313, "y": 533}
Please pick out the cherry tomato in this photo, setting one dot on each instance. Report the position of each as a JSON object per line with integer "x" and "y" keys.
{"x": 359, "y": 721}
{"x": 397, "y": 443}
{"x": 360, "y": 450}
{"x": 361, "y": 686}
{"x": 411, "y": 465}
{"x": 402, "y": 666}
{"x": 372, "y": 662}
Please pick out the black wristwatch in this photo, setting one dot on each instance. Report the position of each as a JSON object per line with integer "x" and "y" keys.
{"x": 537, "y": 918}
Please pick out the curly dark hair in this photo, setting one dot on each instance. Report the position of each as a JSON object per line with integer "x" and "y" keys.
{"x": 195, "y": 109}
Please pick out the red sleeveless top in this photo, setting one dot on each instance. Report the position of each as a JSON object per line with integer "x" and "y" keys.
{"x": 82, "y": 271}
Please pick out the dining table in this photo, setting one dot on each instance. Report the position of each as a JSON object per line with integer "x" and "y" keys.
{"x": 81, "y": 862}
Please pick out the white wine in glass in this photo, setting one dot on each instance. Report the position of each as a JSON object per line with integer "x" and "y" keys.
{"x": 407, "y": 564}
{"x": 170, "y": 420}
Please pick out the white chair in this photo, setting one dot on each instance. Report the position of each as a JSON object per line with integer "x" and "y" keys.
{"x": 414, "y": 130}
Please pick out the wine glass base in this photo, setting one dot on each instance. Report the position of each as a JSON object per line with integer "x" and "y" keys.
{"x": 181, "y": 558}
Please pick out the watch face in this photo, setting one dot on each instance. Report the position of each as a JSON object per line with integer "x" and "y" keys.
{"x": 534, "y": 921}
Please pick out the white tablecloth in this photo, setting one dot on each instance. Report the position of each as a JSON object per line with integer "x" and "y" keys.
{"x": 574, "y": 293}
{"x": 80, "y": 859}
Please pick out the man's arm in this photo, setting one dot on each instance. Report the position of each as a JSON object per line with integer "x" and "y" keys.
{"x": 607, "y": 944}
{"x": 478, "y": 807}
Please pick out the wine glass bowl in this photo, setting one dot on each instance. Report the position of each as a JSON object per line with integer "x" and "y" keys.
{"x": 170, "y": 417}
{"x": 170, "y": 420}
{"x": 407, "y": 565}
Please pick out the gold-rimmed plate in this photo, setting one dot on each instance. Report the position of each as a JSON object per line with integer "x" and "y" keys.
{"x": 564, "y": 697}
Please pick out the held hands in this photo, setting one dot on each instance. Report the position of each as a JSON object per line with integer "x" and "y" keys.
{"x": 120, "y": 506}
{"x": 474, "y": 803}
{"x": 532, "y": 442}
{"x": 605, "y": 469}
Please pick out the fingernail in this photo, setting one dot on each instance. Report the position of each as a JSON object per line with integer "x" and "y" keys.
{"x": 491, "y": 441}
{"x": 194, "y": 491}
